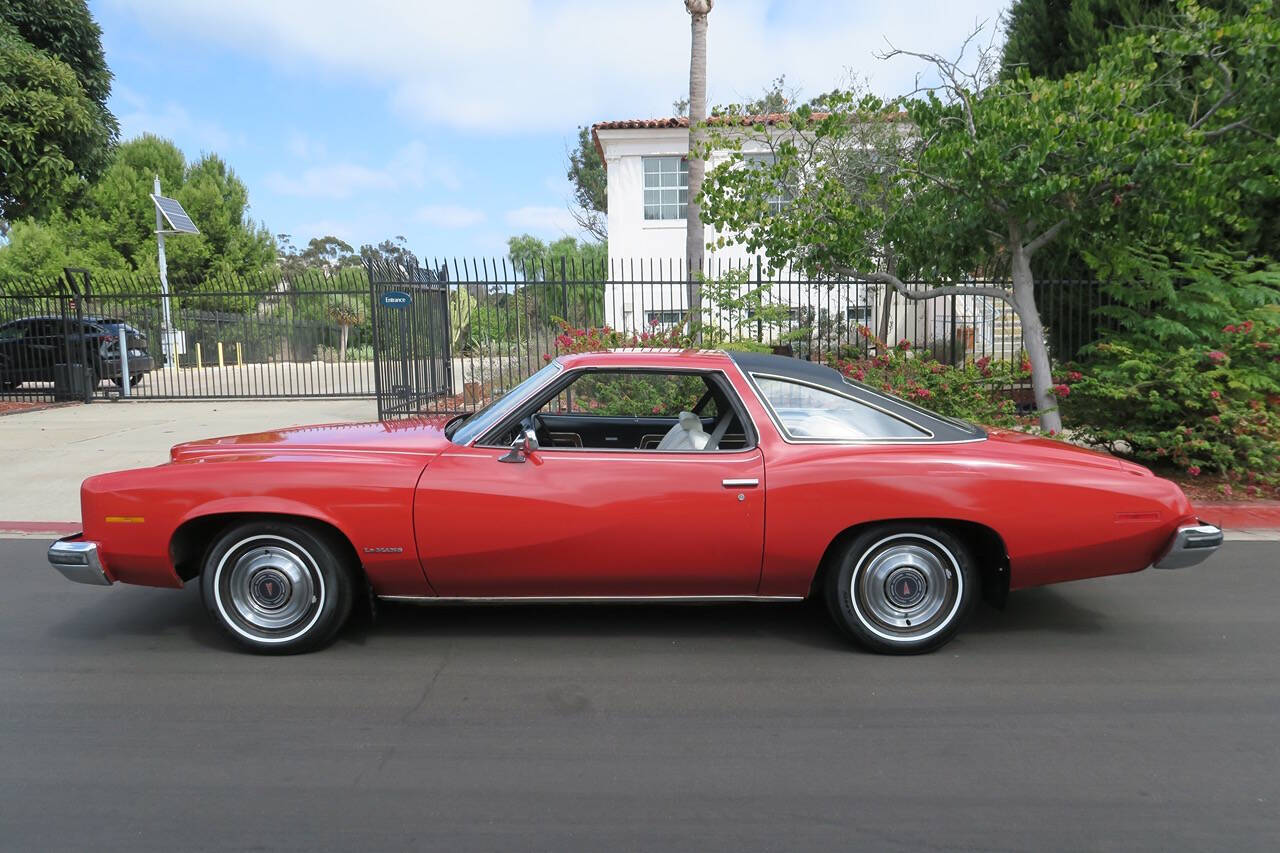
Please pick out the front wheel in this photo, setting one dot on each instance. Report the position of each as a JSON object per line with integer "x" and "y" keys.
{"x": 277, "y": 587}
{"x": 901, "y": 588}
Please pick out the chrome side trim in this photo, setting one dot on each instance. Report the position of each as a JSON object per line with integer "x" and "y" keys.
{"x": 78, "y": 561}
{"x": 585, "y": 599}
{"x": 1189, "y": 546}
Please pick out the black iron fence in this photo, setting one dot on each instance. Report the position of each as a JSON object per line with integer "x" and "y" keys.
{"x": 507, "y": 318}
{"x": 305, "y": 335}
{"x": 451, "y": 335}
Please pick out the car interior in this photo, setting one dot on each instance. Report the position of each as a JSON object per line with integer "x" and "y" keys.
{"x": 632, "y": 410}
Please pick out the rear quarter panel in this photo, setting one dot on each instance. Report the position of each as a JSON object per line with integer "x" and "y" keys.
{"x": 367, "y": 496}
{"x": 1061, "y": 517}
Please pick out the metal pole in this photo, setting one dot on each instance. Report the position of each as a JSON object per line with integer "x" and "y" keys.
{"x": 124, "y": 363}
{"x": 166, "y": 334}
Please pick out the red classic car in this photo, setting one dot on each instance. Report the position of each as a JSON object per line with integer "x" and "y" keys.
{"x": 639, "y": 475}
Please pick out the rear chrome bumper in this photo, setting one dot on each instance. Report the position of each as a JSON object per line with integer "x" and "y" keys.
{"x": 1191, "y": 545}
{"x": 78, "y": 561}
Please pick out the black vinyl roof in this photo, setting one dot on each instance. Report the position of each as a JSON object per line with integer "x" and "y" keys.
{"x": 942, "y": 427}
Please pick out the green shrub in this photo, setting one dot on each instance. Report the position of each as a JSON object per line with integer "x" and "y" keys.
{"x": 1192, "y": 377}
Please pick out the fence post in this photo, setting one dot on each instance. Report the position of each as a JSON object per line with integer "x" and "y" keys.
{"x": 377, "y": 352}
{"x": 564, "y": 293}
{"x": 759, "y": 285}
{"x": 953, "y": 328}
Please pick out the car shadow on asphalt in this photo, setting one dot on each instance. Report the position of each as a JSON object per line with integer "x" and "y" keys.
{"x": 136, "y": 612}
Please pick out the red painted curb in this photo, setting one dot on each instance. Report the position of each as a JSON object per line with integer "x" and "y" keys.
{"x": 57, "y": 528}
{"x": 1241, "y": 516}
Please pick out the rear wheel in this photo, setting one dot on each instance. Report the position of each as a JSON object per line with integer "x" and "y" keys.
{"x": 902, "y": 588}
{"x": 133, "y": 380}
{"x": 277, "y": 587}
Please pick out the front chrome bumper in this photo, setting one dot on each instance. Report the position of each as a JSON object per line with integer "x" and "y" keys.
{"x": 1191, "y": 545}
{"x": 78, "y": 561}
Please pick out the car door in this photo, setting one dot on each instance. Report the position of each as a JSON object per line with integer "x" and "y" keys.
{"x": 569, "y": 522}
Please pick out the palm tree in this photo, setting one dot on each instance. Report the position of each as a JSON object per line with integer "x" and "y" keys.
{"x": 695, "y": 240}
{"x": 344, "y": 315}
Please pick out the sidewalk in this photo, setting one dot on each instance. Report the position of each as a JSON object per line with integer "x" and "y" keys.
{"x": 45, "y": 454}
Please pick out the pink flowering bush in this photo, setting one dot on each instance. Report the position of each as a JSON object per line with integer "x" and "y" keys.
{"x": 977, "y": 391}
{"x": 631, "y": 395}
{"x": 1209, "y": 409}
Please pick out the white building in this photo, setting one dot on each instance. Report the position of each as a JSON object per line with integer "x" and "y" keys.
{"x": 648, "y": 188}
{"x": 648, "y": 194}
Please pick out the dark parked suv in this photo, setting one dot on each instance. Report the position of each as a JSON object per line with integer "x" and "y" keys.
{"x": 30, "y": 347}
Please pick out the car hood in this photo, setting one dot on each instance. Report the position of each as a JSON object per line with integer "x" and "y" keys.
{"x": 1059, "y": 451}
{"x": 422, "y": 435}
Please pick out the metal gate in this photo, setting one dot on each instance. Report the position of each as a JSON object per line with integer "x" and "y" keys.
{"x": 412, "y": 365}
{"x": 46, "y": 355}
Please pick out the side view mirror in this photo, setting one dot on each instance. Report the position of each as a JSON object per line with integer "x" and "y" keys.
{"x": 525, "y": 443}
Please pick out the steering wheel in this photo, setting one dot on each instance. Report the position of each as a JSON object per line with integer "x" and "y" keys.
{"x": 534, "y": 423}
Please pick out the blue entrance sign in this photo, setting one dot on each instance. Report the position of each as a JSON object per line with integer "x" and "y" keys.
{"x": 396, "y": 299}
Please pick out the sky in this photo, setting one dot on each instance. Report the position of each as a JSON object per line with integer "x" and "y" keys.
{"x": 448, "y": 122}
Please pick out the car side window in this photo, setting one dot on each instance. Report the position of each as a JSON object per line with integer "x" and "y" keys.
{"x": 633, "y": 409}
{"x": 631, "y": 395}
{"x": 807, "y": 412}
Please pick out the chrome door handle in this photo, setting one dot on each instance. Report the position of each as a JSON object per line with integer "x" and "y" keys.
{"x": 740, "y": 484}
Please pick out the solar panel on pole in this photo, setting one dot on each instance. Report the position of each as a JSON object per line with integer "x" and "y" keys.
{"x": 177, "y": 218}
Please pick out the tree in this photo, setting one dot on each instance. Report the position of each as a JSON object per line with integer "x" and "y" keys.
{"x": 344, "y": 313}
{"x": 113, "y": 225}
{"x": 987, "y": 171}
{"x": 394, "y": 253}
{"x": 536, "y": 260}
{"x": 55, "y": 129}
{"x": 1053, "y": 38}
{"x": 695, "y": 232}
{"x": 586, "y": 172}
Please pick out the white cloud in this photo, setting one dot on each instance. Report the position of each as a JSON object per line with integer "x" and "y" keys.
{"x": 410, "y": 168}
{"x": 449, "y": 216}
{"x": 304, "y": 147}
{"x": 550, "y": 65}
{"x": 137, "y": 115}
{"x": 542, "y": 220}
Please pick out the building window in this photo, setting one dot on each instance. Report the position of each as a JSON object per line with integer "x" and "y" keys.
{"x": 663, "y": 319}
{"x": 858, "y": 314}
{"x": 666, "y": 187}
{"x": 766, "y": 161}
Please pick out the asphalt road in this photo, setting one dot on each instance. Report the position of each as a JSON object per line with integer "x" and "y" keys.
{"x": 1138, "y": 712}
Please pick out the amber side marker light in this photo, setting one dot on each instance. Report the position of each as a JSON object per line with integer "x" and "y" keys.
{"x": 124, "y": 519}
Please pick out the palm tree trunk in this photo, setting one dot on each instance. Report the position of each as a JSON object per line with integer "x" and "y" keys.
{"x": 695, "y": 237}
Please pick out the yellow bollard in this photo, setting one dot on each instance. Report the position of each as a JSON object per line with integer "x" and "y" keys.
{"x": 239, "y": 355}
{"x": 221, "y": 363}
{"x": 199, "y": 360}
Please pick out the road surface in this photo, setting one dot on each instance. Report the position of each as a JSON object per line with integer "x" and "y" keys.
{"x": 1129, "y": 713}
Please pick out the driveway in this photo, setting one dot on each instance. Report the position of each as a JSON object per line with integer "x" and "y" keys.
{"x": 45, "y": 454}
{"x": 1127, "y": 713}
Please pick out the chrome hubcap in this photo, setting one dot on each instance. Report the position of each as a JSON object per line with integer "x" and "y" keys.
{"x": 906, "y": 587}
{"x": 271, "y": 588}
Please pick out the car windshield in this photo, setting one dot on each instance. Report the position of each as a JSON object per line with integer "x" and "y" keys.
{"x": 479, "y": 423}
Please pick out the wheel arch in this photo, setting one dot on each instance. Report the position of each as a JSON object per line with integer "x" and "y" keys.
{"x": 984, "y": 543}
{"x": 190, "y": 540}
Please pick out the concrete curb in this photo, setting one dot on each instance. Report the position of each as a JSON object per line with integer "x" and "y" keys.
{"x": 1242, "y": 516}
